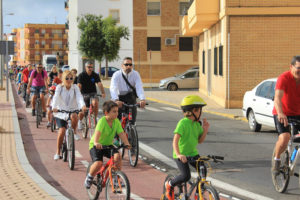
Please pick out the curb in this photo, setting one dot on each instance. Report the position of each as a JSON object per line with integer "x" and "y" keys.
{"x": 29, "y": 170}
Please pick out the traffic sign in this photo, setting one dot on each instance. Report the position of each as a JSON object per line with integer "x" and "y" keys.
{"x": 10, "y": 47}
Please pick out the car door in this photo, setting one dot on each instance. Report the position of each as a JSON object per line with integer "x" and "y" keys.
{"x": 189, "y": 80}
{"x": 262, "y": 104}
{"x": 270, "y": 105}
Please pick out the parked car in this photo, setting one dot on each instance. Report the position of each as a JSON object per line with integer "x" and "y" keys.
{"x": 188, "y": 79}
{"x": 111, "y": 71}
{"x": 258, "y": 105}
{"x": 65, "y": 67}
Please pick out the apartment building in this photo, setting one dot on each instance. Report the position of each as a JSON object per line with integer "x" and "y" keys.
{"x": 241, "y": 43}
{"x": 160, "y": 49}
{"x": 119, "y": 9}
{"x": 35, "y": 40}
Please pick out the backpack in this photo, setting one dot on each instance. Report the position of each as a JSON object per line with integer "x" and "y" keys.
{"x": 35, "y": 73}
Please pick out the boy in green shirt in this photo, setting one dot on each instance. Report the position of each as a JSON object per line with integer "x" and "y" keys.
{"x": 188, "y": 133}
{"x": 105, "y": 131}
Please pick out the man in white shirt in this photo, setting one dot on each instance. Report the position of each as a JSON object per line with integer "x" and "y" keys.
{"x": 123, "y": 92}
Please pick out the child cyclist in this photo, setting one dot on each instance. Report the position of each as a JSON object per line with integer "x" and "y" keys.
{"x": 105, "y": 131}
{"x": 49, "y": 102}
{"x": 188, "y": 133}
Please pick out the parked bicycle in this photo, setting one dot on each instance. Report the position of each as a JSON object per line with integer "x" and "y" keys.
{"x": 115, "y": 182}
{"x": 68, "y": 145}
{"x": 89, "y": 120}
{"x": 288, "y": 159}
{"x": 131, "y": 133}
{"x": 207, "y": 191}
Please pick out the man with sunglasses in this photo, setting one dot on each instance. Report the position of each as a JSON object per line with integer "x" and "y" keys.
{"x": 87, "y": 81}
{"x": 126, "y": 86}
{"x": 286, "y": 106}
{"x": 38, "y": 83}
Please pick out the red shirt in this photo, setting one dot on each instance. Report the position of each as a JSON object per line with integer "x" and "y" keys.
{"x": 25, "y": 75}
{"x": 291, "y": 97}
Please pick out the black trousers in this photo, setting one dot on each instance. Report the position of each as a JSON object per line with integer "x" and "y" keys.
{"x": 129, "y": 98}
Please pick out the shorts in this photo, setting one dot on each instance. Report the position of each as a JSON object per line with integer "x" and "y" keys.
{"x": 38, "y": 90}
{"x": 87, "y": 98}
{"x": 97, "y": 154}
{"x": 61, "y": 123}
{"x": 283, "y": 129}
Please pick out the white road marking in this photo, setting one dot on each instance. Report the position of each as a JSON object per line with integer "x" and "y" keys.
{"x": 77, "y": 154}
{"x": 217, "y": 183}
{"x": 153, "y": 109}
{"x": 132, "y": 196}
{"x": 141, "y": 110}
{"x": 172, "y": 109}
{"x": 28, "y": 110}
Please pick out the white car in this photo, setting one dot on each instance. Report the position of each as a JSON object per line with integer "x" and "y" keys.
{"x": 258, "y": 105}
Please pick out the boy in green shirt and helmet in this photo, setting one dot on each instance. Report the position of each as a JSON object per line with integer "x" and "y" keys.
{"x": 188, "y": 133}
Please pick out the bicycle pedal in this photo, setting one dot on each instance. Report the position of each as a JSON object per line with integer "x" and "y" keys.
{"x": 296, "y": 174}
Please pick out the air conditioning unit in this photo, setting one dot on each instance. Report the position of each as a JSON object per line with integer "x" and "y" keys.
{"x": 170, "y": 41}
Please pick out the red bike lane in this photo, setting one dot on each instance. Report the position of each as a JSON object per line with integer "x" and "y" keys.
{"x": 40, "y": 146}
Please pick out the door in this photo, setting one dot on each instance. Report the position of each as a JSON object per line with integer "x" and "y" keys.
{"x": 189, "y": 80}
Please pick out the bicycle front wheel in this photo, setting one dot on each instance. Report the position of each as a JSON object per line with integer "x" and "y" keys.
{"x": 85, "y": 127}
{"x": 177, "y": 189}
{"x": 92, "y": 125}
{"x": 281, "y": 181}
{"x": 37, "y": 113}
{"x": 209, "y": 193}
{"x": 95, "y": 188}
{"x": 118, "y": 187}
{"x": 133, "y": 139}
{"x": 53, "y": 124}
{"x": 71, "y": 149}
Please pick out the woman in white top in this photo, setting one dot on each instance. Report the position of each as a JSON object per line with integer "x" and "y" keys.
{"x": 67, "y": 97}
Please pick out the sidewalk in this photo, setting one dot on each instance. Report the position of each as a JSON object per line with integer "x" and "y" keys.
{"x": 174, "y": 98}
{"x": 18, "y": 179}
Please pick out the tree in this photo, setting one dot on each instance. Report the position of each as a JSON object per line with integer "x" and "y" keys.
{"x": 100, "y": 38}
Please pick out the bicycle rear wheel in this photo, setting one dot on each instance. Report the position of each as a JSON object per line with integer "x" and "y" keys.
{"x": 96, "y": 187}
{"x": 64, "y": 151}
{"x": 53, "y": 124}
{"x": 71, "y": 149}
{"x": 281, "y": 181}
{"x": 209, "y": 193}
{"x": 85, "y": 127}
{"x": 92, "y": 125}
{"x": 118, "y": 187}
{"x": 133, "y": 139}
{"x": 37, "y": 113}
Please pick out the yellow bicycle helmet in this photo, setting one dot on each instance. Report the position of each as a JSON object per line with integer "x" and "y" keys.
{"x": 192, "y": 101}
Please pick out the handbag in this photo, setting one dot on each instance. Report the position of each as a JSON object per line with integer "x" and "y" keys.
{"x": 133, "y": 88}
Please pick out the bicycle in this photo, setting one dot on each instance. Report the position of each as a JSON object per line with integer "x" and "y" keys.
{"x": 38, "y": 110}
{"x": 115, "y": 182}
{"x": 131, "y": 133}
{"x": 53, "y": 124}
{"x": 68, "y": 145}
{"x": 199, "y": 184}
{"x": 288, "y": 162}
{"x": 89, "y": 119}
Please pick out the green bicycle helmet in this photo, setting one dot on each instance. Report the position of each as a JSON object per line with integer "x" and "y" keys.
{"x": 192, "y": 101}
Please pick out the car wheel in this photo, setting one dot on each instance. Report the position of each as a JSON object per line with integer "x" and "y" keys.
{"x": 172, "y": 87}
{"x": 253, "y": 125}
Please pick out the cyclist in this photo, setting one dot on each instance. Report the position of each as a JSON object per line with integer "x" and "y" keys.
{"x": 87, "y": 81}
{"x": 58, "y": 79}
{"x": 25, "y": 77}
{"x": 67, "y": 97}
{"x": 52, "y": 75}
{"x": 126, "y": 85}
{"x": 286, "y": 106}
{"x": 49, "y": 101}
{"x": 38, "y": 81}
{"x": 107, "y": 127}
{"x": 19, "y": 80}
{"x": 74, "y": 72}
{"x": 188, "y": 133}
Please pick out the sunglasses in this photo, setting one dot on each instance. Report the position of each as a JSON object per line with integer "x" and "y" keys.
{"x": 90, "y": 67}
{"x": 298, "y": 68}
{"x": 69, "y": 78}
{"x": 127, "y": 64}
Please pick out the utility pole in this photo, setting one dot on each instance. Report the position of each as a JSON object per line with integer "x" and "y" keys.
{"x": 1, "y": 38}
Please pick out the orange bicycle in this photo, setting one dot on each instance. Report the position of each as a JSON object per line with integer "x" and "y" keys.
{"x": 115, "y": 182}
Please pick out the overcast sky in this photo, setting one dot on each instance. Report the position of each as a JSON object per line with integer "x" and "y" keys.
{"x": 32, "y": 11}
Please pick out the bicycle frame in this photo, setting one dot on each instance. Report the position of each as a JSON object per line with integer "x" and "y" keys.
{"x": 292, "y": 164}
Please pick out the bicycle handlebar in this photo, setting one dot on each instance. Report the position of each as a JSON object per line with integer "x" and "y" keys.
{"x": 206, "y": 158}
{"x": 133, "y": 105}
{"x": 69, "y": 112}
{"x": 294, "y": 121}
{"x": 114, "y": 147}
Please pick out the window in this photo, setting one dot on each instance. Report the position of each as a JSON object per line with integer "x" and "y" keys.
{"x": 272, "y": 92}
{"x": 215, "y": 61}
{"x": 153, "y": 8}
{"x": 221, "y": 60}
{"x": 190, "y": 74}
{"x": 185, "y": 44}
{"x": 183, "y": 8}
{"x": 264, "y": 89}
{"x": 115, "y": 14}
{"x": 36, "y": 31}
{"x": 37, "y": 41}
{"x": 203, "y": 62}
{"x": 153, "y": 43}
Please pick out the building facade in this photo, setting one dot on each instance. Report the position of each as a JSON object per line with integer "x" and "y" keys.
{"x": 160, "y": 49}
{"x": 118, "y": 9}
{"x": 241, "y": 43}
{"x": 35, "y": 40}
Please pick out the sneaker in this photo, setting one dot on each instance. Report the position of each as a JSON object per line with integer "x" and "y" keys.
{"x": 169, "y": 191}
{"x": 56, "y": 157}
{"x": 276, "y": 168}
{"x": 88, "y": 182}
{"x": 49, "y": 124}
{"x": 79, "y": 125}
{"x": 33, "y": 112}
{"x": 76, "y": 137}
{"x": 44, "y": 114}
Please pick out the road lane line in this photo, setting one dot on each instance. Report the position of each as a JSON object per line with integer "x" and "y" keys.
{"x": 153, "y": 109}
{"x": 132, "y": 196}
{"x": 217, "y": 183}
{"x": 77, "y": 154}
{"x": 172, "y": 109}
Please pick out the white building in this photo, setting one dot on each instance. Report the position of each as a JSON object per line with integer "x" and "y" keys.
{"x": 118, "y": 9}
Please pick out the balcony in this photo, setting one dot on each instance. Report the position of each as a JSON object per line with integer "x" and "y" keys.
{"x": 46, "y": 46}
{"x": 55, "y": 36}
{"x": 65, "y": 36}
{"x": 202, "y": 14}
{"x": 27, "y": 57}
{"x": 36, "y": 35}
{"x": 46, "y": 35}
{"x": 66, "y": 57}
{"x": 27, "y": 35}
{"x": 56, "y": 47}
{"x": 36, "y": 46}
{"x": 37, "y": 57}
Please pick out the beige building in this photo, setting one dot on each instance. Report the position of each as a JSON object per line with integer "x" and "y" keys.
{"x": 159, "y": 48}
{"x": 35, "y": 40}
{"x": 242, "y": 42}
